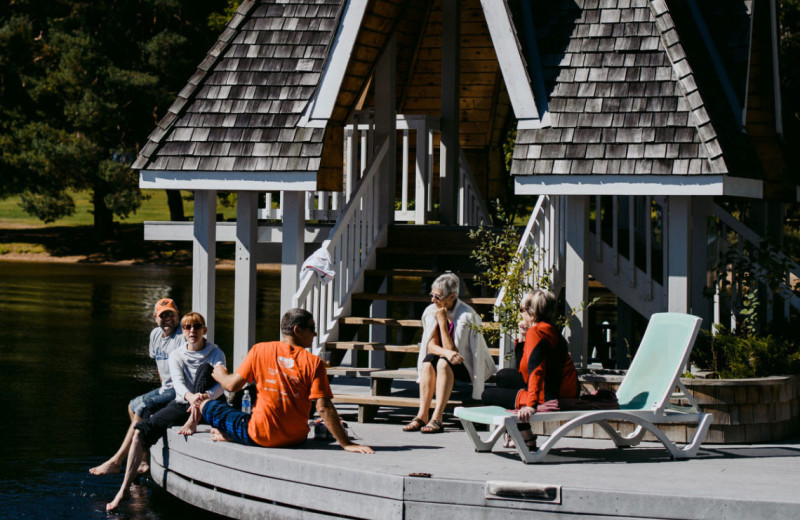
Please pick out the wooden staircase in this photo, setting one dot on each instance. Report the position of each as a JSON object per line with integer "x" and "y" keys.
{"x": 383, "y": 330}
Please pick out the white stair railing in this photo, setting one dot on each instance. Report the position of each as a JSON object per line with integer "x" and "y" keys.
{"x": 732, "y": 233}
{"x": 545, "y": 239}
{"x": 472, "y": 209}
{"x": 623, "y": 255}
{"x": 351, "y": 244}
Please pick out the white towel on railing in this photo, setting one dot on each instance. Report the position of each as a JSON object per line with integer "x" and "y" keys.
{"x": 320, "y": 263}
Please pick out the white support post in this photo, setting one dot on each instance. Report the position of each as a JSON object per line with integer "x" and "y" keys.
{"x": 449, "y": 147}
{"x": 701, "y": 305}
{"x": 293, "y": 249}
{"x": 204, "y": 256}
{"x": 679, "y": 246}
{"x": 577, "y": 281}
{"x": 386, "y": 123}
{"x": 244, "y": 304}
{"x": 421, "y": 155}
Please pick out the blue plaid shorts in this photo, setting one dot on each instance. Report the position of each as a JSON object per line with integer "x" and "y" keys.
{"x": 229, "y": 421}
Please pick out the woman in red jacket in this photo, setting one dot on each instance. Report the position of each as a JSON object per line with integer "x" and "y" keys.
{"x": 545, "y": 368}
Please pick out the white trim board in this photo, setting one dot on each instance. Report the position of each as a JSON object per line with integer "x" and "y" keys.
{"x": 320, "y": 108}
{"x": 511, "y": 63}
{"x": 228, "y": 181}
{"x": 226, "y": 232}
{"x": 706, "y": 185}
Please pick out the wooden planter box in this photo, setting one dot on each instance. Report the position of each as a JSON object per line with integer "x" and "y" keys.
{"x": 745, "y": 410}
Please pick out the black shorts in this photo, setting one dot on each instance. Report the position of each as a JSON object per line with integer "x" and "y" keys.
{"x": 459, "y": 371}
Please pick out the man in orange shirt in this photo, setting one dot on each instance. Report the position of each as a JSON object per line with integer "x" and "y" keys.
{"x": 287, "y": 377}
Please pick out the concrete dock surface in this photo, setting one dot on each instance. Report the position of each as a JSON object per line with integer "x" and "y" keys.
{"x": 413, "y": 475}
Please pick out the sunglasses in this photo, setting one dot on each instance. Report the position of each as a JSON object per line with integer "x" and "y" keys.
{"x": 312, "y": 328}
{"x": 438, "y": 297}
{"x": 195, "y": 326}
{"x": 165, "y": 315}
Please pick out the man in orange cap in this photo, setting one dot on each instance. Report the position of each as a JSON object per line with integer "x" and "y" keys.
{"x": 165, "y": 338}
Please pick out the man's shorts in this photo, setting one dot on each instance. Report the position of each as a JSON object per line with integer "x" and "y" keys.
{"x": 229, "y": 421}
{"x": 147, "y": 404}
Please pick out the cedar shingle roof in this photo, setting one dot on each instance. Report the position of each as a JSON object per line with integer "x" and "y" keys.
{"x": 239, "y": 111}
{"x": 622, "y": 95}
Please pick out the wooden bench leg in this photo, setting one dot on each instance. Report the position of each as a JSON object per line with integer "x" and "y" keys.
{"x": 367, "y": 413}
{"x": 381, "y": 386}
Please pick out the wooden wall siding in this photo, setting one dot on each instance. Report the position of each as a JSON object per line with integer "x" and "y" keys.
{"x": 761, "y": 124}
{"x": 239, "y": 112}
{"x": 621, "y": 93}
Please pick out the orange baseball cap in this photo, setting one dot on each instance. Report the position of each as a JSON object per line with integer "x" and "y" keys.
{"x": 165, "y": 304}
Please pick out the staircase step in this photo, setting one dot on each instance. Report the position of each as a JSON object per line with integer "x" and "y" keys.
{"x": 386, "y": 400}
{"x": 425, "y": 251}
{"x": 353, "y": 371}
{"x": 416, "y": 273}
{"x": 420, "y": 298}
{"x": 404, "y": 374}
{"x": 370, "y": 345}
{"x": 357, "y": 320}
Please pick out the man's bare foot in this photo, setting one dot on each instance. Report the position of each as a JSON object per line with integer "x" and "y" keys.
{"x": 143, "y": 468}
{"x": 121, "y": 495}
{"x": 218, "y": 436}
{"x": 109, "y": 467}
{"x": 189, "y": 428}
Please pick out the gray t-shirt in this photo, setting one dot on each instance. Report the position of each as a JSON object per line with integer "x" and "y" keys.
{"x": 161, "y": 348}
{"x": 184, "y": 363}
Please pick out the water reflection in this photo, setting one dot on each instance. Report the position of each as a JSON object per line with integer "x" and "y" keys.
{"x": 74, "y": 351}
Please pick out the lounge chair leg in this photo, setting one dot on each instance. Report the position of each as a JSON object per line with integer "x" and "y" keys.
{"x": 480, "y": 444}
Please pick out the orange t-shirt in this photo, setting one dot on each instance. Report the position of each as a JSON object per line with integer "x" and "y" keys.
{"x": 287, "y": 378}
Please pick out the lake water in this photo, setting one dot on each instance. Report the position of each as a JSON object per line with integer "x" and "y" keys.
{"x": 73, "y": 352}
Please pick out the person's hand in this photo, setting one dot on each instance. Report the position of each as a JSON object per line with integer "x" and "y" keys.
{"x": 454, "y": 357}
{"x": 219, "y": 372}
{"x": 523, "y": 327}
{"x": 441, "y": 315}
{"x": 358, "y": 448}
{"x": 196, "y": 399}
{"x": 525, "y": 413}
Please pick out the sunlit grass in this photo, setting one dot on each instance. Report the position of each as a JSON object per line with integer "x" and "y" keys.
{"x": 154, "y": 208}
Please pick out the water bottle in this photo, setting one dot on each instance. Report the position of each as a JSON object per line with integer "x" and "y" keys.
{"x": 246, "y": 408}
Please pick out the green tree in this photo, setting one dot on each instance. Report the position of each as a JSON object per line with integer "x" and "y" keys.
{"x": 82, "y": 84}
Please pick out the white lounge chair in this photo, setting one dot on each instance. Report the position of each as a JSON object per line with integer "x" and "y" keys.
{"x": 644, "y": 398}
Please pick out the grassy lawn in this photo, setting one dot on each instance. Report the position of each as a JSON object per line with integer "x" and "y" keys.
{"x": 154, "y": 208}
{"x": 73, "y": 236}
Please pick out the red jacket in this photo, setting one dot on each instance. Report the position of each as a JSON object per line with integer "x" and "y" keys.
{"x": 546, "y": 367}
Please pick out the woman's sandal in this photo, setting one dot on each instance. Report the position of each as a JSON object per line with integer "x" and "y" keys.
{"x": 432, "y": 427}
{"x": 414, "y": 426}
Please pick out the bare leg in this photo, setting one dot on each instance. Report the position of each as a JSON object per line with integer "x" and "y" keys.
{"x": 427, "y": 384}
{"x": 134, "y": 458}
{"x": 114, "y": 464}
{"x": 218, "y": 436}
{"x": 191, "y": 423}
{"x": 444, "y": 387}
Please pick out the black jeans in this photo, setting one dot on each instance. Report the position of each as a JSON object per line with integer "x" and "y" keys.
{"x": 509, "y": 383}
{"x": 175, "y": 413}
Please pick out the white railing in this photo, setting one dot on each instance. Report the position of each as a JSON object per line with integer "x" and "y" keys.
{"x": 416, "y": 173}
{"x": 733, "y": 234}
{"x": 320, "y": 205}
{"x": 352, "y": 244}
{"x": 624, "y": 256}
{"x": 472, "y": 209}
{"x": 543, "y": 247}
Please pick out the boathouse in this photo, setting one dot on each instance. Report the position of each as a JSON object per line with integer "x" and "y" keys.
{"x": 340, "y": 124}
{"x": 377, "y": 130}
